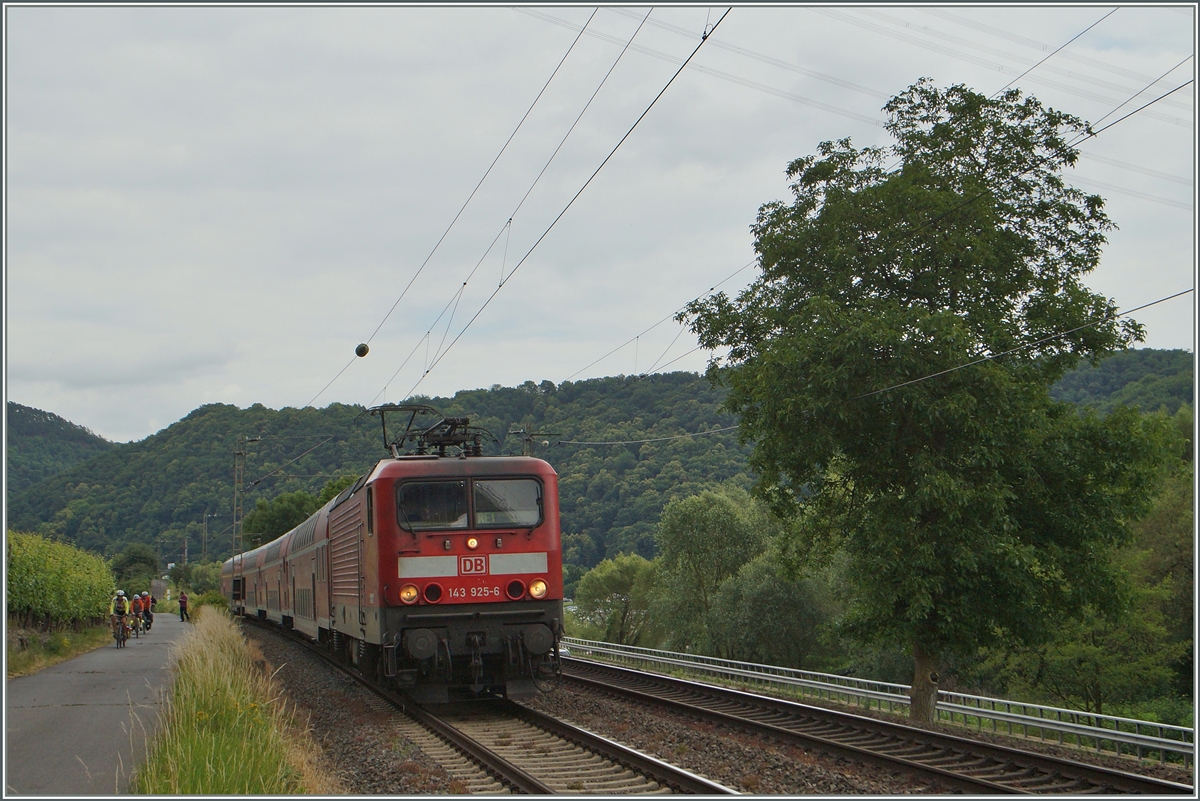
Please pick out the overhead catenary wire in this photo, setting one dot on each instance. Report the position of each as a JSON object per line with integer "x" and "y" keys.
{"x": 1082, "y": 138}
{"x": 1089, "y": 134}
{"x": 973, "y": 199}
{"x": 1107, "y": 66}
{"x": 508, "y": 225}
{"x": 670, "y": 316}
{"x": 258, "y": 480}
{"x": 1075, "y": 75}
{"x": 570, "y": 202}
{"x": 981, "y": 360}
{"x": 1025, "y": 346}
{"x": 725, "y": 76}
{"x": 486, "y": 173}
{"x": 445, "y": 233}
{"x": 654, "y": 439}
{"x": 974, "y": 59}
{"x": 1060, "y": 47}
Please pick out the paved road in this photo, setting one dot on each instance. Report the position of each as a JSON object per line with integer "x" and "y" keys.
{"x": 76, "y": 728}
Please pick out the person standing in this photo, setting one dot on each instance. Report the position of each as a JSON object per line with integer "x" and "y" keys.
{"x": 183, "y": 612}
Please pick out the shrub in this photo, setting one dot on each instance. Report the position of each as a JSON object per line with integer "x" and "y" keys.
{"x": 211, "y": 598}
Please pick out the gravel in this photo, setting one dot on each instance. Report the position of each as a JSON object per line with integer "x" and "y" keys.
{"x": 744, "y": 762}
{"x": 361, "y": 747}
{"x": 369, "y": 757}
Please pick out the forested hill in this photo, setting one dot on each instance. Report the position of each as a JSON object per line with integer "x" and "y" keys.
{"x": 42, "y": 444}
{"x": 155, "y": 490}
{"x": 1148, "y": 379}
{"x": 159, "y": 489}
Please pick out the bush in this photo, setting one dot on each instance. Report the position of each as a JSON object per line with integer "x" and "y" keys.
{"x": 210, "y": 598}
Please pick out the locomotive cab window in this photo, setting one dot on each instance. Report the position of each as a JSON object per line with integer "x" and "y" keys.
{"x": 425, "y": 505}
{"x": 508, "y": 502}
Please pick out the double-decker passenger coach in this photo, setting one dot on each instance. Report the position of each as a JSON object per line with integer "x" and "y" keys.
{"x": 439, "y": 570}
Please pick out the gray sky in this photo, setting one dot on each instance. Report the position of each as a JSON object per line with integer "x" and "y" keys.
{"x": 214, "y": 204}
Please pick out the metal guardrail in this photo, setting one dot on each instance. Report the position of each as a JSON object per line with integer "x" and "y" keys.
{"x": 1068, "y": 727}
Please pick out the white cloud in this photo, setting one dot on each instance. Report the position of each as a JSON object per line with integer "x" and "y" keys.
{"x": 217, "y": 204}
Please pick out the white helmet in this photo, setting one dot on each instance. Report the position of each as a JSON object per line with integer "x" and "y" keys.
{"x": 120, "y": 592}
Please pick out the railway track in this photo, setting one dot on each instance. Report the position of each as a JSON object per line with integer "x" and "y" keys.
{"x": 960, "y": 763}
{"x": 497, "y": 746}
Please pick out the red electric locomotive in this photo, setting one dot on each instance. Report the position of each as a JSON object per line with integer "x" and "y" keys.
{"x": 440, "y": 571}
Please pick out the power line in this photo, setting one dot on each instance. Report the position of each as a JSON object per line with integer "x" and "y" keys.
{"x": 571, "y": 202}
{"x": 508, "y": 225}
{"x": 485, "y": 174}
{"x": 1134, "y": 193}
{"x": 765, "y": 59}
{"x": 1041, "y": 341}
{"x": 1125, "y": 165}
{"x": 975, "y": 46}
{"x": 656, "y": 439}
{"x": 464, "y": 205}
{"x": 1079, "y": 57}
{"x": 973, "y": 58}
{"x": 725, "y": 76}
{"x": 1047, "y": 58}
{"x": 670, "y": 316}
{"x": 623, "y": 387}
{"x": 1089, "y": 134}
{"x": 904, "y": 383}
{"x": 258, "y": 480}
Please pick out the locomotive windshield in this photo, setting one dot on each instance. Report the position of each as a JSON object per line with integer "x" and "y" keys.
{"x": 508, "y": 502}
{"x": 441, "y": 505}
{"x": 432, "y": 504}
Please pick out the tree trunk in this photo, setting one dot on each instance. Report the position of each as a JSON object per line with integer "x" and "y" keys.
{"x": 923, "y": 704}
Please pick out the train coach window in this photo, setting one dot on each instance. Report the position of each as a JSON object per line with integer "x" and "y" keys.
{"x": 508, "y": 502}
{"x": 424, "y": 505}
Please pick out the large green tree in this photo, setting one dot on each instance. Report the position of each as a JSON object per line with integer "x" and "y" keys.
{"x": 615, "y": 596}
{"x": 703, "y": 541}
{"x": 759, "y": 615}
{"x": 137, "y": 564}
{"x": 973, "y": 508}
{"x": 278, "y": 516}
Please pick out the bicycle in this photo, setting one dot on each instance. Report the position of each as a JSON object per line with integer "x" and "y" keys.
{"x": 120, "y": 632}
{"x": 137, "y": 626}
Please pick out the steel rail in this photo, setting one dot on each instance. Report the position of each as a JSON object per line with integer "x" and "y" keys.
{"x": 1048, "y": 720}
{"x": 678, "y": 779}
{"x": 1108, "y": 732}
{"x": 504, "y": 771}
{"x": 965, "y": 764}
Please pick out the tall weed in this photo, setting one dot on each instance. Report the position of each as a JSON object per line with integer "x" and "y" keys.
{"x": 224, "y": 727}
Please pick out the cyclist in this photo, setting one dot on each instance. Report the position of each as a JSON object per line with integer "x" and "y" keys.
{"x": 118, "y": 608}
{"x": 147, "y": 606}
{"x": 135, "y": 610}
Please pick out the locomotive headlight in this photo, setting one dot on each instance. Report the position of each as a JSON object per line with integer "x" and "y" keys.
{"x": 472, "y": 543}
{"x": 408, "y": 593}
{"x": 537, "y": 588}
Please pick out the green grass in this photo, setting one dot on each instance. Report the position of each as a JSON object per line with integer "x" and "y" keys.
{"x": 42, "y": 650}
{"x": 224, "y": 728}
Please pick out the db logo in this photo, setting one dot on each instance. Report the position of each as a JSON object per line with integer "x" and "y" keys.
{"x": 472, "y": 565}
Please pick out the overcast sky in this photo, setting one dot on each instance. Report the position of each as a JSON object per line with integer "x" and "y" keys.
{"x": 216, "y": 204}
